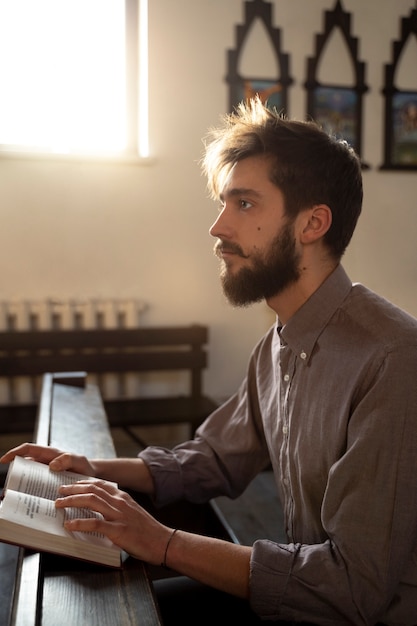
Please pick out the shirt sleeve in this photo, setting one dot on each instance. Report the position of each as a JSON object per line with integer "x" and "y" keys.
{"x": 365, "y": 571}
{"x": 228, "y": 450}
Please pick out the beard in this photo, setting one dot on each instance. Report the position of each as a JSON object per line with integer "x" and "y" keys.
{"x": 270, "y": 272}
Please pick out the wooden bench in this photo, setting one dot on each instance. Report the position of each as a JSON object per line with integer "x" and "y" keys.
{"x": 118, "y": 352}
{"x": 40, "y": 589}
{"x": 256, "y": 514}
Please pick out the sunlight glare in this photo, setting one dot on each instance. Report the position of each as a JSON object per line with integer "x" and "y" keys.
{"x": 143, "y": 79}
{"x": 62, "y": 91}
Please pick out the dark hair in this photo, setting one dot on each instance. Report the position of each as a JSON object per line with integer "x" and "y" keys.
{"x": 309, "y": 166}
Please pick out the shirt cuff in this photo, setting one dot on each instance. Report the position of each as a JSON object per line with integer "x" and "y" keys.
{"x": 166, "y": 474}
{"x": 270, "y": 570}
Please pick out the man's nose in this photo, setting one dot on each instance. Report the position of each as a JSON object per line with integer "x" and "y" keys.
{"x": 221, "y": 228}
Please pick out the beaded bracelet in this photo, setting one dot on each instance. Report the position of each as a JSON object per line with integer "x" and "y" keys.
{"x": 164, "y": 563}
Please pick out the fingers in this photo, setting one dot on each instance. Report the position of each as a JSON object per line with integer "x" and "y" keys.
{"x": 95, "y": 525}
{"x": 99, "y": 496}
{"x": 120, "y": 518}
{"x": 58, "y": 461}
{"x": 42, "y": 454}
{"x": 74, "y": 462}
{"x": 103, "y": 488}
{"x": 103, "y": 498}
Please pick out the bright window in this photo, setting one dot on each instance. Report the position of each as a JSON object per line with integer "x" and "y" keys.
{"x": 69, "y": 76}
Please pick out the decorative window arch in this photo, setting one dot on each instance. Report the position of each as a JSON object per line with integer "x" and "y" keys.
{"x": 272, "y": 88}
{"x": 400, "y": 150}
{"x": 337, "y": 105}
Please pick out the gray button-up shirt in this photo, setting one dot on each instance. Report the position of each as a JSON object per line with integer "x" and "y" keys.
{"x": 330, "y": 400}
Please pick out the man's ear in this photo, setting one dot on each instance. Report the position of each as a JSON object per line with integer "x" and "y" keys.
{"x": 317, "y": 222}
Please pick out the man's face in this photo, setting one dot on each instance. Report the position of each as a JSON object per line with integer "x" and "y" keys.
{"x": 256, "y": 240}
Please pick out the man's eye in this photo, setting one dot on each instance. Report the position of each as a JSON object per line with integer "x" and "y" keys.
{"x": 244, "y": 204}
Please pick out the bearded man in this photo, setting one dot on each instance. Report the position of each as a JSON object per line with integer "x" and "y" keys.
{"x": 329, "y": 401}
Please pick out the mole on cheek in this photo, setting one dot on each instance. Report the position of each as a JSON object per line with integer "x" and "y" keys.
{"x": 259, "y": 228}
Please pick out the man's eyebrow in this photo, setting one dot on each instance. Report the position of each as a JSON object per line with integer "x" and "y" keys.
{"x": 240, "y": 191}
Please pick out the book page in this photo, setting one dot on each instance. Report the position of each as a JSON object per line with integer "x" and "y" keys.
{"x": 32, "y": 511}
{"x": 37, "y": 479}
{"x": 32, "y": 520}
{"x": 41, "y": 514}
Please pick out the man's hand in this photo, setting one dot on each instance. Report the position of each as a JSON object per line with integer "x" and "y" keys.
{"x": 131, "y": 473}
{"x": 124, "y": 522}
{"x": 214, "y": 562}
{"x": 56, "y": 459}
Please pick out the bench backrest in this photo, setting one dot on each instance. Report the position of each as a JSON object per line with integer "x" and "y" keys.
{"x": 104, "y": 351}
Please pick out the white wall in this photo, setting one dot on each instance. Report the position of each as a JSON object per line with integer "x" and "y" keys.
{"x": 76, "y": 229}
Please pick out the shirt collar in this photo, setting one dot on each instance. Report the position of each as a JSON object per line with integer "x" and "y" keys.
{"x": 303, "y": 329}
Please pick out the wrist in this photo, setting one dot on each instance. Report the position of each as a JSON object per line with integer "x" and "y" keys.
{"x": 164, "y": 562}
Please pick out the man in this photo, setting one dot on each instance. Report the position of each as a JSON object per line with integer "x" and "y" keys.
{"x": 329, "y": 401}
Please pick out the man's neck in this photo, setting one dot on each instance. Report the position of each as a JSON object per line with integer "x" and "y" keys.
{"x": 287, "y": 303}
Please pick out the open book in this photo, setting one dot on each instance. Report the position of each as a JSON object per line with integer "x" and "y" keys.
{"x": 28, "y": 516}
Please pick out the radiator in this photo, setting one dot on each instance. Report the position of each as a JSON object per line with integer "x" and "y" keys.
{"x": 53, "y": 314}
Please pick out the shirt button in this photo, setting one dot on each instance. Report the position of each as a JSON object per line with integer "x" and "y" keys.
{"x": 303, "y": 355}
{"x": 285, "y": 429}
{"x": 287, "y": 377}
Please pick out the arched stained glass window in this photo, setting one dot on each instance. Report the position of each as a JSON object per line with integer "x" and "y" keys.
{"x": 247, "y": 78}
{"x": 335, "y": 91}
{"x": 400, "y": 92}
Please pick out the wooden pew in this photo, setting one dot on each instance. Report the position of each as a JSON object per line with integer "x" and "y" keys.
{"x": 50, "y": 589}
{"x": 256, "y": 514}
{"x": 110, "y": 352}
